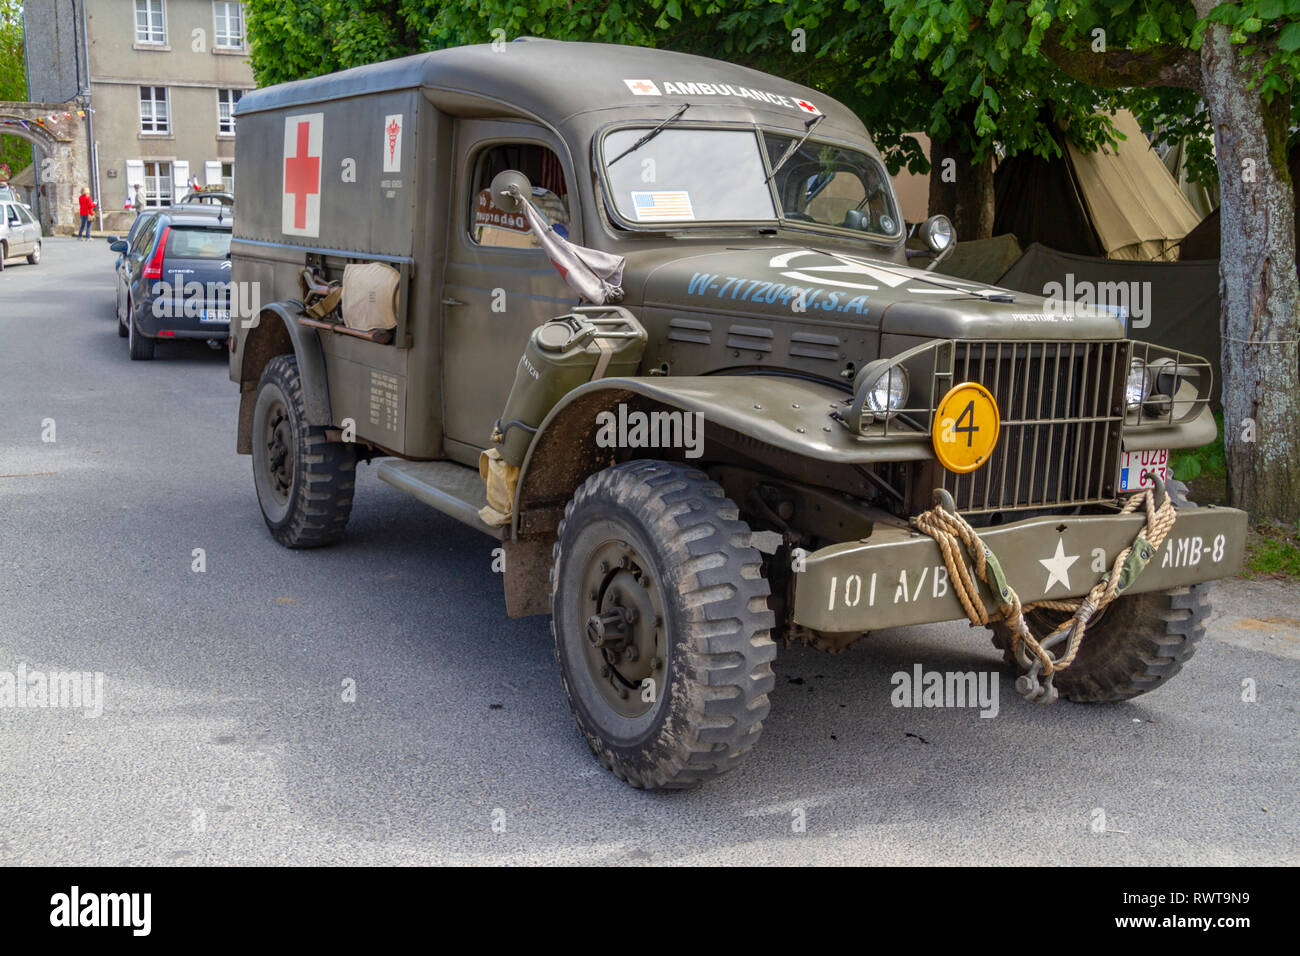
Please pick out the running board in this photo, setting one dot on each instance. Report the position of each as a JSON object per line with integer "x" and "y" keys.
{"x": 455, "y": 490}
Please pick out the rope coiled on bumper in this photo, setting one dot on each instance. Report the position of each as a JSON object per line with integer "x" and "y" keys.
{"x": 951, "y": 531}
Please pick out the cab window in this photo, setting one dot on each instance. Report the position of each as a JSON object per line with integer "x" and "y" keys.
{"x": 493, "y": 226}
{"x": 12, "y": 215}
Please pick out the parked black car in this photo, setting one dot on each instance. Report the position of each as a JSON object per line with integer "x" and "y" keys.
{"x": 173, "y": 280}
{"x": 217, "y": 210}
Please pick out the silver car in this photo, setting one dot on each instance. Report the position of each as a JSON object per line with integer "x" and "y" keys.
{"x": 20, "y": 233}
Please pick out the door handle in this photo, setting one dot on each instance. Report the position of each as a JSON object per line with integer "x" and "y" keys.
{"x": 450, "y": 301}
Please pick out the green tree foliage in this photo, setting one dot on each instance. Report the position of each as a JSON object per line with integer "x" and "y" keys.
{"x": 15, "y": 153}
{"x": 1231, "y": 68}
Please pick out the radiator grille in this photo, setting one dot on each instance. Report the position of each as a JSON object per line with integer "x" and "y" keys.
{"x": 1062, "y": 412}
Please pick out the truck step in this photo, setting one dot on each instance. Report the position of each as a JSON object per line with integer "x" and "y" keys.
{"x": 451, "y": 488}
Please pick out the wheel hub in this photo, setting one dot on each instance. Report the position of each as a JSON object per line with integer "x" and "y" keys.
{"x": 279, "y": 460}
{"x": 624, "y": 628}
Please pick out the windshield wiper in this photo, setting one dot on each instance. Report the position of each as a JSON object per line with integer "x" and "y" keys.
{"x": 650, "y": 135}
{"x": 793, "y": 147}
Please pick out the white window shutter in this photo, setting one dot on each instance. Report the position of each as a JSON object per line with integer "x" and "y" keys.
{"x": 134, "y": 174}
{"x": 212, "y": 172}
{"x": 180, "y": 178}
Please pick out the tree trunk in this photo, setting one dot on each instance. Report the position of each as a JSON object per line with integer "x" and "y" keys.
{"x": 1260, "y": 302}
{"x": 961, "y": 189}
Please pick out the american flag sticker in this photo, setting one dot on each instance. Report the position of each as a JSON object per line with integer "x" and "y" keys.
{"x": 663, "y": 206}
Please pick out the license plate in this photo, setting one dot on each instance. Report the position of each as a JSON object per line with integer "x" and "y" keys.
{"x": 214, "y": 315}
{"x": 1137, "y": 467}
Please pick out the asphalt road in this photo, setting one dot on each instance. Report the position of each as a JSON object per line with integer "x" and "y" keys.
{"x": 225, "y": 737}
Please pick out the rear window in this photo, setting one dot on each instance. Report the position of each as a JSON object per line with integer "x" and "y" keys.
{"x": 186, "y": 242}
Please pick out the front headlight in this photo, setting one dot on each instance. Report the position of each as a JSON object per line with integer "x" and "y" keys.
{"x": 1138, "y": 386}
{"x": 883, "y": 388}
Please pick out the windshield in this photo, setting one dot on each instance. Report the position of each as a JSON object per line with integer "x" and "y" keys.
{"x": 833, "y": 186}
{"x": 693, "y": 175}
{"x": 689, "y": 175}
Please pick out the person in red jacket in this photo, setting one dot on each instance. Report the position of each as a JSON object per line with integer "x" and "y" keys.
{"x": 86, "y": 207}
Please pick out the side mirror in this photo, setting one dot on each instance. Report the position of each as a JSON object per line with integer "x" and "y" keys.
{"x": 118, "y": 245}
{"x": 508, "y": 189}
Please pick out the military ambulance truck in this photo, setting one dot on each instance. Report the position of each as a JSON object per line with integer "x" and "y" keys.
{"x": 654, "y": 323}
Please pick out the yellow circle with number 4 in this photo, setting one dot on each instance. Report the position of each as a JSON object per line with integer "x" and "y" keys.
{"x": 966, "y": 426}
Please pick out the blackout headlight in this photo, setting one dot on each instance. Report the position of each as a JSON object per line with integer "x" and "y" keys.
{"x": 1138, "y": 386}
{"x": 881, "y": 388}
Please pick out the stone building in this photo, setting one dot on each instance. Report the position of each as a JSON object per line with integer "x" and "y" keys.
{"x": 160, "y": 79}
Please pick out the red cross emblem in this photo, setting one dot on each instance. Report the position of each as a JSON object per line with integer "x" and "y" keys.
{"x": 806, "y": 106}
{"x": 643, "y": 87}
{"x": 302, "y": 168}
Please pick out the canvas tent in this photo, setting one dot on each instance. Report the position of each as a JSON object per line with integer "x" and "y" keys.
{"x": 981, "y": 260}
{"x": 1175, "y": 304}
{"x": 1116, "y": 203}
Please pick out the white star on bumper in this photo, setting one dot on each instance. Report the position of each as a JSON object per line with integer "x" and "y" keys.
{"x": 1058, "y": 567}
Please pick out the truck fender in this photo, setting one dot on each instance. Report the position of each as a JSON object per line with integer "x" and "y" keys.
{"x": 782, "y": 412}
{"x": 277, "y": 332}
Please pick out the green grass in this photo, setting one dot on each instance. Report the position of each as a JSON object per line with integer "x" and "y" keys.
{"x": 1204, "y": 469}
{"x": 1274, "y": 551}
{"x": 1208, "y": 461}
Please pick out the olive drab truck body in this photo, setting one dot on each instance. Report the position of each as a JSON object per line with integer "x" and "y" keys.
{"x": 654, "y": 322}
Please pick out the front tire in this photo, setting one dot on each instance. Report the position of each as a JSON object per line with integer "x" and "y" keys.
{"x": 1136, "y": 644}
{"x": 304, "y": 481}
{"x": 661, "y": 624}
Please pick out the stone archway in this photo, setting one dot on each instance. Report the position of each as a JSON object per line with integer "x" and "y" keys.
{"x": 59, "y": 136}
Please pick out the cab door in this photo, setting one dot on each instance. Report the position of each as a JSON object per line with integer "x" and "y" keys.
{"x": 498, "y": 284}
{"x": 17, "y": 235}
{"x": 31, "y": 232}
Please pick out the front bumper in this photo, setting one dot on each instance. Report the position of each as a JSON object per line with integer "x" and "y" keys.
{"x": 897, "y": 576}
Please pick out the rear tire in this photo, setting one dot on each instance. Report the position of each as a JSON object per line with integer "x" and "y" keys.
{"x": 304, "y": 481}
{"x": 140, "y": 346}
{"x": 34, "y": 256}
{"x": 664, "y": 542}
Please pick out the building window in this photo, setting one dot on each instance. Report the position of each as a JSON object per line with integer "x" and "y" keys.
{"x": 150, "y": 27}
{"x": 158, "y": 184}
{"x": 229, "y": 19}
{"x": 153, "y": 110}
{"x": 228, "y": 177}
{"x": 226, "y": 100}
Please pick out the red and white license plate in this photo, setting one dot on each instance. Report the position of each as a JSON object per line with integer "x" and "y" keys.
{"x": 1137, "y": 467}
